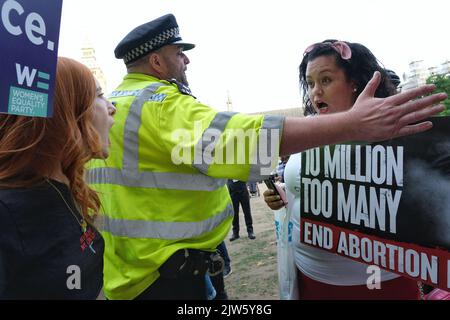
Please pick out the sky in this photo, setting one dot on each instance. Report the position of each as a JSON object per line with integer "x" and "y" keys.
{"x": 251, "y": 49}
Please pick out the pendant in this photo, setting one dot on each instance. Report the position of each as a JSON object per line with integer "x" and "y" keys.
{"x": 83, "y": 226}
{"x": 87, "y": 238}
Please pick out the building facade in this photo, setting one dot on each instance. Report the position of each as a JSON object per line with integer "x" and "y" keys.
{"x": 89, "y": 59}
{"x": 419, "y": 73}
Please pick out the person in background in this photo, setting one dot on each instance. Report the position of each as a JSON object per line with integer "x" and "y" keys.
{"x": 216, "y": 283}
{"x": 239, "y": 196}
{"x": 332, "y": 75}
{"x": 223, "y": 251}
{"x": 280, "y": 169}
{"x": 395, "y": 79}
{"x": 49, "y": 246}
{"x": 253, "y": 189}
{"x": 211, "y": 292}
{"x": 163, "y": 189}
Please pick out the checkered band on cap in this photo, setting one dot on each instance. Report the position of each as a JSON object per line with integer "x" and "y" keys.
{"x": 154, "y": 43}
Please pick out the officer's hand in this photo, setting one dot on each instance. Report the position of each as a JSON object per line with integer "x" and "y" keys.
{"x": 378, "y": 119}
{"x": 273, "y": 201}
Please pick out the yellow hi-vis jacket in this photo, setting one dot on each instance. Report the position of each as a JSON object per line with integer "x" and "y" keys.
{"x": 163, "y": 187}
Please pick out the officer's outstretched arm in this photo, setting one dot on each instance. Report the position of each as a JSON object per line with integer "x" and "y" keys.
{"x": 370, "y": 119}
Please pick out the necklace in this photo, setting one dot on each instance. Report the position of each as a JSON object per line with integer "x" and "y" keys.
{"x": 87, "y": 237}
{"x": 81, "y": 222}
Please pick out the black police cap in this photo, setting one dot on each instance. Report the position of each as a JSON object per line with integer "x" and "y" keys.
{"x": 149, "y": 37}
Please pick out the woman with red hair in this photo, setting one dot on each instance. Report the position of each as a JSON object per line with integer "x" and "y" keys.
{"x": 49, "y": 247}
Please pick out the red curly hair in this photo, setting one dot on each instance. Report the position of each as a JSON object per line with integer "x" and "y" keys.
{"x": 31, "y": 147}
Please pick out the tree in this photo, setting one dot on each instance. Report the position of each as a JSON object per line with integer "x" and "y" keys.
{"x": 442, "y": 82}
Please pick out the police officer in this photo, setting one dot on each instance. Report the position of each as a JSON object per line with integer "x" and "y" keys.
{"x": 163, "y": 188}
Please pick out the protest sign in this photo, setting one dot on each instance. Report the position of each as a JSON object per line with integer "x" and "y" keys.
{"x": 29, "y": 34}
{"x": 384, "y": 204}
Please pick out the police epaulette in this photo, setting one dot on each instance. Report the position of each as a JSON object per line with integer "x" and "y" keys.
{"x": 182, "y": 88}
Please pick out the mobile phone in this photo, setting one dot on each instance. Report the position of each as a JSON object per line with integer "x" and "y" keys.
{"x": 278, "y": 190}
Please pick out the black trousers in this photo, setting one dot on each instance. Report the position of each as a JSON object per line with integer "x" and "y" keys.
{"x": 239, "y": 195}
{"x": 180, "y": 288}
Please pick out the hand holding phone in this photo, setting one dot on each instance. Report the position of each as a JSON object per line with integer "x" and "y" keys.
{"x": 278, "y": 190}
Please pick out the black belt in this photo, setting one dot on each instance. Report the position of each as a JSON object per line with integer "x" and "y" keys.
{"x": 192, "y": 262}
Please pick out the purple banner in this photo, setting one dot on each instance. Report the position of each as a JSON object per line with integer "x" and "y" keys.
{"x": 29, "y": 35}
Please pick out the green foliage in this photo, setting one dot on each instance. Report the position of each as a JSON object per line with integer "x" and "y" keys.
{"x": 442, "y": 82}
